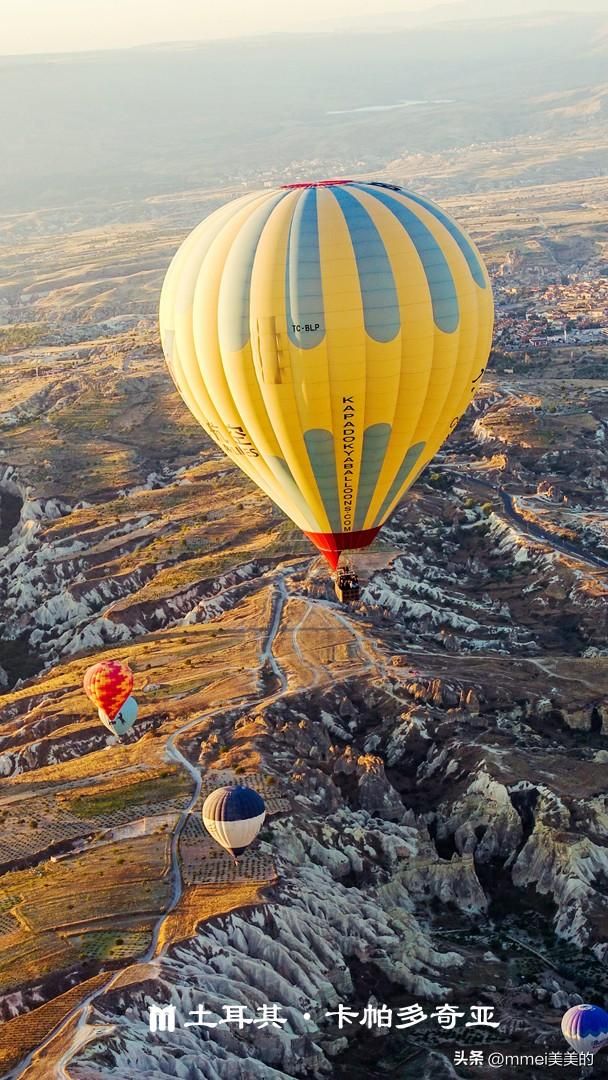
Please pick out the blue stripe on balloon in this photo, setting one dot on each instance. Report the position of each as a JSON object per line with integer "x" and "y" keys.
{"x": 235, "y": 289}
{"x": 303, "y": 284}
{"x": 591, "y": 1023}
{"x": 404, "y": 470}
{"x": 321, "y": 454}
{"x": 441, "y": 284}
{"x": 234, "y": 804}
{"x": 463, "y": 242}
{"x": 375, "y": 441}
{"x": 285, "y": 477}
{"x": 378, "y": 292}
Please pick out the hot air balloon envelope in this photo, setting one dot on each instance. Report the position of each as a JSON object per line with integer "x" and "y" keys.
{"x": 233, "y": 816}
{"x": 124, "y": 719}
{"x": 585, "y": 1027}
{"x": 108, "y": 685}
{"x": 328, "y": 336}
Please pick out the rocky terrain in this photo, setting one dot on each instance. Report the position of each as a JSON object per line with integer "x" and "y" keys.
{"x": 433, "y": 758}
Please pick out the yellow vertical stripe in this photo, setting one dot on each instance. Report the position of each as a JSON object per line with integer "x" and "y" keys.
{"x": 399, "y": 399}
{"x": 206, "y": 356}
{"x": 345, "y": 343}
{"x": 278, "y": 372}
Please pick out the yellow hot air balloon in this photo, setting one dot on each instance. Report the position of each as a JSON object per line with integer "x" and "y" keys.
{"x": 328, "y": 336}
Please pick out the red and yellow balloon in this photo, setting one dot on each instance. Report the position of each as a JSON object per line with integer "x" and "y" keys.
{"x": 108, "y": 684}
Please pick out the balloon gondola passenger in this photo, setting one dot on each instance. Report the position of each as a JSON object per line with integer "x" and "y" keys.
{"x": 346, "y": 585}
{"x": 124, "y": 720}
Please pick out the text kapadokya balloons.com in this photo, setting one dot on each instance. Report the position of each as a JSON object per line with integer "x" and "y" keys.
{"x": 233, "y": 816}
{"x": 328, "y": 336}
{"x": 124, "y": 719}
{"x": 585, "y": 1027}
{"x": 108, "y": 685}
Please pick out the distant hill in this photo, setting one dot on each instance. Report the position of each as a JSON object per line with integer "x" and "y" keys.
{"x": 468, "y": 9}
{"x": 122, "y": 125}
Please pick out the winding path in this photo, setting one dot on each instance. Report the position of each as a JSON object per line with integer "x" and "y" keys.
{"x": 545, "y": 535}
{"x": 84, "y": 1031}
{"x": 81, "y": 1010}
{"x": 267, "y": 655}
{"x": 525, "y": 526}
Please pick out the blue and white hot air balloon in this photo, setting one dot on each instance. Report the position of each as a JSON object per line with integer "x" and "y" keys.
{"x": 233, "y": 816}
{"x": 124, "y": 719}
{"x": 585, "y": 1027}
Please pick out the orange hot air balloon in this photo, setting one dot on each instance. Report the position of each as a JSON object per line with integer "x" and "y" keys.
{"x": 108, "y": 684}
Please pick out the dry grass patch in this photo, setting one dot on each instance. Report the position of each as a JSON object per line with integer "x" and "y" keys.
{"x": 116, "y": 883}
{"x": 116, "y": 759}
{"x": 165, "y": 786}
{"x": 21, "y": 1035}
{"x": 135, "y": 974}
{"x": 31, "y": 958}
{"x": 202, "y": 902}
{"x": 113, "y": 945}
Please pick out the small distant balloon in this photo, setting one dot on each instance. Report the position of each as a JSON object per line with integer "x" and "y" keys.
{"x": 124, "y": 719}
{"x": 233, "y": 816}
{"x": 585, "y": 1027}
{"x": 108, "y": 685}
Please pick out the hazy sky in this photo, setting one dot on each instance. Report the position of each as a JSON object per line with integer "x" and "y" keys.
{"x": 30, "y": 26}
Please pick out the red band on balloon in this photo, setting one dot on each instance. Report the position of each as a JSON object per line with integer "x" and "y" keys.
{"x": 331, "y": 544}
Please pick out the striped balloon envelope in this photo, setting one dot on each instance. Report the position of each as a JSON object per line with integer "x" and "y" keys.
{"x": 108, "y": 685}
{"x": 585, "y": 1027}
{"x": 124, "y": 720}
{"x": 328, "y": 336}
{"x": 233, "y": 816}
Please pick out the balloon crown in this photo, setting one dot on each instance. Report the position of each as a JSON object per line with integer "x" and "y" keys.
{"x": 316, "y": 183}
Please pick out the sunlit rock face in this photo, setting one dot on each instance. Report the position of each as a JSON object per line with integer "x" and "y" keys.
{"x": 295, "y": 952}
{"x": 441, "y": 746}
{"x": 484, "y": 821}
{"x": 420, "y": 792}
{"x": 361, "y": 870}
{"x": 573, "y": 870}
